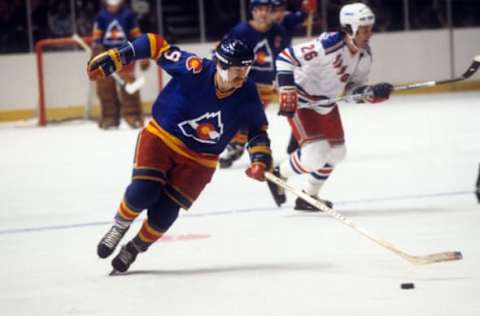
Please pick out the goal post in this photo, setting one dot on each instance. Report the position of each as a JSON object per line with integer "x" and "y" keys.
{"x": 64, "y": 90}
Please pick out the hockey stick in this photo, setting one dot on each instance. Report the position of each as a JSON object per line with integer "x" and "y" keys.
{"x": 309, "y": 24}
{"x": 418, "y": 260}
{"x": 130, "y": 87}
{"x": 472, "y": 69}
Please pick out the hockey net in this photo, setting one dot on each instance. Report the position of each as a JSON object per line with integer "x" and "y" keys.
{"x": 64, "y": 90}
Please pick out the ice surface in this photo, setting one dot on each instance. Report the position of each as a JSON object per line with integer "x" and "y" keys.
{"x": 409, "y": 177}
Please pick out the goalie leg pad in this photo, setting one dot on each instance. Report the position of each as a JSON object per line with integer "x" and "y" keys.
{"x": 110, "y": 107}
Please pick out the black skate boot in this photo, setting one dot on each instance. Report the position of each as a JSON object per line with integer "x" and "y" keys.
{"x": 126, "y": 257}
{"x": 109, "y": 242}
{"x": 233, "y": 153}
{"x": 301, "y": 205}
{"x": 292, "y": 145}
{"x": 278, "y": 193}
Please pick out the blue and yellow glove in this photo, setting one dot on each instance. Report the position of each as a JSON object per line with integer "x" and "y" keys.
{"x": 110, "y": 61}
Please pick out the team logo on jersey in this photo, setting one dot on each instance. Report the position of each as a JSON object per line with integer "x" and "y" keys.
{"x": 263, "y": 56}
{"x": 194, "y": 64}
{"x": 205, "y": 129}
{"x": 115, "y": 34}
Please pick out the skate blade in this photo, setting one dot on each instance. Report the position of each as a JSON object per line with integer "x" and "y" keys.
{"x": 114, "y": 273}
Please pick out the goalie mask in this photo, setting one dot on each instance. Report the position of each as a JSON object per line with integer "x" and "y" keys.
{"x": 232, "y": 52}
{"x": 113, "y": 2}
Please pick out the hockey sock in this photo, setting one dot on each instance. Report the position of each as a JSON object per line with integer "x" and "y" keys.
{"x": 140, "y": 195}
{"x": 292, "y": 165}
{"x": 317, "y": 179}
{"x": 125, "y": 214}
{"x": 147, "y": 235}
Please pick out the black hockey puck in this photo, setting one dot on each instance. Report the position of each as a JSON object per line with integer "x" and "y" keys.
{"x": 407, "y": 286}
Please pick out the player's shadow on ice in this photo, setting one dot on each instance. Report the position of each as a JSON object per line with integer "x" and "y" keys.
{"x": 269, "y": 267}
{"x": 378, "y": 212}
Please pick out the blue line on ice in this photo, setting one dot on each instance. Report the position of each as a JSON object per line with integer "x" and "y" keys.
{"x": 230, "y": 212}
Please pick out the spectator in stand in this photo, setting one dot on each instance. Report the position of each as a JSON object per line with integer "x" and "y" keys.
{"x": 40, "y": 20}
{"x": 59, "y": 20}
{"x": 85, "y": 17}
{"x": 429, "y": 15}
{"x": 4, "y": 17}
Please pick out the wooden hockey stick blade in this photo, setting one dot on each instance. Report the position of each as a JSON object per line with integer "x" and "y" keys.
{"x": 473, "y": 68}
{"x": 418, "y": 260}
{"x": 436, "y": 257}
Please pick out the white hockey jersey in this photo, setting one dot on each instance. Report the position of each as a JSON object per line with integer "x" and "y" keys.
{"x": 323, "y": 68}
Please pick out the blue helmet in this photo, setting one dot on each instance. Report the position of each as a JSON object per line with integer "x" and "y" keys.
{"x": 278, "y": 3}
{"x": 233, "y": 52}
{"x": 255, "y": 3}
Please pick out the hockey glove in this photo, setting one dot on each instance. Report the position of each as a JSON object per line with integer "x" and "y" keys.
{"x": 379, "y": 92}
{"x": 288, "y": 101}
{"x": 309, "y": 6}
{"x": 256, "y": 171}
{"x": 110, "y": 61}
{"x": 260, "y": 155}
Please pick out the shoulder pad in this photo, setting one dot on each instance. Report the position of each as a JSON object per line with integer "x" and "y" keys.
{"x": 332, "y": 42}
{"x": 329, "y": 40}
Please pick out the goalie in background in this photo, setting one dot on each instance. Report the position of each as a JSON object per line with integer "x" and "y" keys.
{"x": 114, "y": 26}
{"x": 324, "y": 68}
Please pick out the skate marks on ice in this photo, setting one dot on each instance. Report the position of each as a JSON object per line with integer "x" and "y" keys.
{"x": 234, "y": 269}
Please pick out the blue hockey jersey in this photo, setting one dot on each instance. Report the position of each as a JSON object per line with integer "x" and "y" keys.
{"x": 114, "y": 30}
{"x": 189, "y": 111}
{"x": 291, "y": 21}
{"x": 266, "y": 46}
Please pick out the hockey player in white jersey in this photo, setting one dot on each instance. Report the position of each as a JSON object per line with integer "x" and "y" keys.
{"x": 326, "y": 67}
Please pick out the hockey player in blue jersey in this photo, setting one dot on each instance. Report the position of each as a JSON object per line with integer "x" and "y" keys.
{"x": 201, "y": 108}
{"x": 291, "y": 20}
{"x": 114, "y": 26}
{"x": 267, "y": 39}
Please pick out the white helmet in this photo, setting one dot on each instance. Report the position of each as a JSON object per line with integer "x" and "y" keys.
{"x": 113, "y": 2}
{"x": 354, "y": 15}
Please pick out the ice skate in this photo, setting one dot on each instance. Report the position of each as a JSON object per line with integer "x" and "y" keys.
{"x": 278, "y": 193}
{"x": 233, "y": 153}
{"x": 125, "y": 257}
{"x": 134, "y": 121}
{"x": 109, "y": 242}
{"x": 109, "y": 123}
{"x": 301, "y": 205}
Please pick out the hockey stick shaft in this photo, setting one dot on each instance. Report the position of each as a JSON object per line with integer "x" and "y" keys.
{"x": 472, "y": 69}
{"x": 130, "y": 88}
{"x": 418, "y": 260}
{"x": 309, "y": 25}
